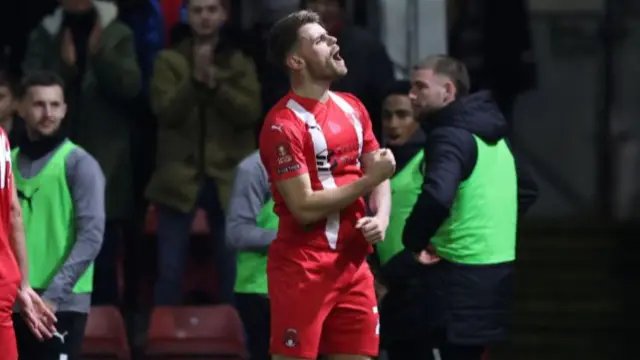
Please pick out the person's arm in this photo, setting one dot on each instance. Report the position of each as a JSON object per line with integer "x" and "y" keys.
{"x": 282, "y": 145}
{"x": 249, "y": 194}
{"x": 450, "y": 155}
{"x": 380, "y": 198}
{"x": 172, "y": 97}
{"x": 17, "y": 234}
{"x": 115, "y": 63}
{"x": 87, "y": 185}
{"x": 527, "y": 187}
{"x": 238, "y": 96}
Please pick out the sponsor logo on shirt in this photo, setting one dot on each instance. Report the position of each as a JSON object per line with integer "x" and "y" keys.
{"x": 327, "y": 160}
{"x": 27, "y": 199}
{"x": 288, "y": 169}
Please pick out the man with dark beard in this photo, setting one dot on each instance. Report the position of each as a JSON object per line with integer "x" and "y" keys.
{"x": 312, "y": 145}
{"x": 61, "y": 191}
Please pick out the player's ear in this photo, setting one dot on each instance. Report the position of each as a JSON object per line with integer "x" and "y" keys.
{"x": 294, "y": 61}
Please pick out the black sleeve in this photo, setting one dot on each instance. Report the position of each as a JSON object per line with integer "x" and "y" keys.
{"x": 527, "y": 187}
{"x": 450, "y": 156}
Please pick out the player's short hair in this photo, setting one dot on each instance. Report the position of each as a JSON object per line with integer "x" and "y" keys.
{"x": 7, "y": 80}
{"x": 39, "y": 78}
{"x": 283, "y": 36}
{"x": 450, "y": 67}
{"x": 398, "y": 87}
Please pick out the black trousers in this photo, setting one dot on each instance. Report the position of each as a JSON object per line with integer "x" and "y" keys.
{"x": 421, "y": 351}
{"x": 68, "y": 340}
{"x": 460, "y": 352}
{"x": 105, "y": 272}
{"x": 256, "y": 316}
{"x": 403, "y": 350}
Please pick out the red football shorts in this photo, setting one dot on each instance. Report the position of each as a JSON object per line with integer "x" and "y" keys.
{"x": 8, "y": 347}
{"x": 321, "y": 303}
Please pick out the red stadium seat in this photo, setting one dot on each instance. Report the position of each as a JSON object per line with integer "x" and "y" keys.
{"x": 105, "y": 337}
{"x": 211, "y": 332}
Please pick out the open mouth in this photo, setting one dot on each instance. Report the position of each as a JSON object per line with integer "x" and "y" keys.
{"x": 336, "y": 55}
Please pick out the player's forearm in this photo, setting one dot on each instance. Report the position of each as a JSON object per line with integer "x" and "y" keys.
{"x": 380, "y": 201}
{"x": 317, "y": 205}
{"x": 17, "y": 241}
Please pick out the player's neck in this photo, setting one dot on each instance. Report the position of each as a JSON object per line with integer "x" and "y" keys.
{"x": 315, "y": 90}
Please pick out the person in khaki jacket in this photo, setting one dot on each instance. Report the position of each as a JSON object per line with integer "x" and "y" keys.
{"x": 206, "y": 96}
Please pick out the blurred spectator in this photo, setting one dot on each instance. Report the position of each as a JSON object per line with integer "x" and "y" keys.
{"x": 206, "y": 97}
{"x": 144, "y": 17}
{"x": 61, "y": 190}
{"x": 251, "y": 227}
{"x": 274, "y": 81}
{"x": 370, "y": 69}
{"x": 12, "y": 124}
{"x": 493, "y": 39}
{"x": 83, "y": 42}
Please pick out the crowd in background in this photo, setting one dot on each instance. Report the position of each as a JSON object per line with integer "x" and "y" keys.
{"x": 170, "y": 102}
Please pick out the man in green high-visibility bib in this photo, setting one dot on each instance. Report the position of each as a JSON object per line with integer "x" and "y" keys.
{"x": 61, "y": 189}
{"x": 251, "y": 227}
{"x": 400, "y": 335}
{"x": 463, "y": 225}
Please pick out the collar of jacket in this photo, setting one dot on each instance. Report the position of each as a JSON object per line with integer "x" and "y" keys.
{"x": 106, "y": 11}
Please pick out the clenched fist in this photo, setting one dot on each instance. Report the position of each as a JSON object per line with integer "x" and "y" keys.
{"x": 383, "y": 165}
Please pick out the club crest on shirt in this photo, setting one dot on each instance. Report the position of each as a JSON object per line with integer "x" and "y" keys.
{"x": 290, "y": 338}
{"x": 283, "y": 154}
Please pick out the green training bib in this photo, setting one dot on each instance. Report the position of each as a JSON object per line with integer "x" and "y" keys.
{"x": 49, "y": 219}
{"x": 251, "y": 275}
{"x": 405, "y": 189}
{"x": 482, "y": 226}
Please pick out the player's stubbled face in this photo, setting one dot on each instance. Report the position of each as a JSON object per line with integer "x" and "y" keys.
{"x": 321, "y": 53}
{"x": 43, "y": 109}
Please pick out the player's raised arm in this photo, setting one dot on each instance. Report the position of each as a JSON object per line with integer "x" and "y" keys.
{"x": 282, "y": 151}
